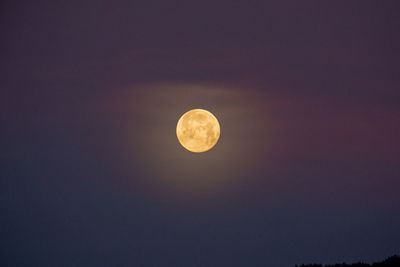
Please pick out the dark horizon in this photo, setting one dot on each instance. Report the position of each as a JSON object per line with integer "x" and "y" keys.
{"x": 306, "y": 168}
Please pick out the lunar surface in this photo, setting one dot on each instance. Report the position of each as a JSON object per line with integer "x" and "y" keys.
{"x": 198, "y": 130}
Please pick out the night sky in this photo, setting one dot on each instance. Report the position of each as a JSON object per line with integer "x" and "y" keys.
{"x": 307, "y": 168}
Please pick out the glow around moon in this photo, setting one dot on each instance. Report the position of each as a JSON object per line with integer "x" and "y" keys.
{"x": 198, "y": 130}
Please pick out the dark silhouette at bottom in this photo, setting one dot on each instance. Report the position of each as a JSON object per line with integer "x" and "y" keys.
{"x": 393, "y": 261}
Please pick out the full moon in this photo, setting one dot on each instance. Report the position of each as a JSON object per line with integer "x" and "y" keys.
{"x": 198, "y": 130}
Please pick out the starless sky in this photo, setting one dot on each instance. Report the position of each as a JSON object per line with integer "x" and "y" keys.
{"x": 306, "y": 168}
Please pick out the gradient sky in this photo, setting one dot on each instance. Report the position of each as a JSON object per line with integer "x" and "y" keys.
{"x": 306, "y": 169}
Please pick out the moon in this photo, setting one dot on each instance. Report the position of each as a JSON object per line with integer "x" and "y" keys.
{"x": 198, "y": 130}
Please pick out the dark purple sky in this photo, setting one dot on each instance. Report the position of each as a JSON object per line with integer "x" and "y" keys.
{"x": 307, "y": 167}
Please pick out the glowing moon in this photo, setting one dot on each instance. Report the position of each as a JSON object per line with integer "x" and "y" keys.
{"x": 198, "y": 130}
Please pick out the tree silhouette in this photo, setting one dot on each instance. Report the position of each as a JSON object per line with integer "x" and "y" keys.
{"x": 393, "y": 261}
